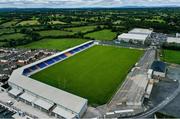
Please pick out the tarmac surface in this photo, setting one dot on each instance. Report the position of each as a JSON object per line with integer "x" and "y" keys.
{"x": 173, "y": 108}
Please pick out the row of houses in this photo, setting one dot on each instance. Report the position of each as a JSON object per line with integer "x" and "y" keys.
{"x": 11, "y": 59}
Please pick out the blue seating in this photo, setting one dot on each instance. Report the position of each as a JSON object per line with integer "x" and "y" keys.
{"x": 72, "y": 51}
{"x": 49, "y": 62}
{"x": 77, "y": 49}
{"x": 63, "y": 56}
{"x": 33, "y": 68}
{"x": 57, "y": 58}
{"x": 26, "y": 71}
{"x": 41, "y": 65}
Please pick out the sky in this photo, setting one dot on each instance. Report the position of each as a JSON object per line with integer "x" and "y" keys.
{"x": 83, "y": 3}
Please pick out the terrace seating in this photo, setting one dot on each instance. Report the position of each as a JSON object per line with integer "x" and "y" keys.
{"x": 42, "y": 65}
{"x": 26, "y": 71}
{"x": 63, "y": 56}
{"x": 56, "y": 58}
{"x": 72, "y": 51}
{"x": 49, "y": 62}
{"x": 33, "y": 68}
{"x": 77, "y": 50}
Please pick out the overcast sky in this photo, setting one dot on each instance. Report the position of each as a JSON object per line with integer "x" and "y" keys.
{"x": 84, "y": 3}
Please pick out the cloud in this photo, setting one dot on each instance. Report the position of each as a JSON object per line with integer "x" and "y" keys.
{"x": 84, "y": 3}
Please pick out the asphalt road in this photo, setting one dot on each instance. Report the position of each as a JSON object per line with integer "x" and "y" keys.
{"x": 161, "y": 105}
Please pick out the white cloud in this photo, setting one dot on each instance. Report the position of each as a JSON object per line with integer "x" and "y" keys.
{"x": 85, "y": 3}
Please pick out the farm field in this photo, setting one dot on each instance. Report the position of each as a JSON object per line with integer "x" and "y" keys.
{"x": 94, "y": 74}
{"x": 14, "y": 36}
{"x": 28, "y": 22}
{"x": 9, "y": 23}
{"x": 82, "y": 29}
{"x": 58, "y": 44}
{"x": 57, "y": 22}
{"x": 171, "y": 56}
{"x": 54, "y": 33}
{"x": 102, "y": 35}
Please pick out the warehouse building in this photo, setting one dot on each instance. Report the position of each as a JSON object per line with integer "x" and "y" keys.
{"x": 159, "y": 70}
{"x": 141, "y": 31}
{"x": 136, "y": 35}
{"x": 173, "y": 40}
{"x": 133, "y": 38}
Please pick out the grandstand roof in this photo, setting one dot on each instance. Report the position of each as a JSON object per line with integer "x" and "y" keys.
{"x": 140, "y": 37}
{"x": 141, "y": 31}
{"x": 173, "y": 40}
{"x": 62, "y": 98}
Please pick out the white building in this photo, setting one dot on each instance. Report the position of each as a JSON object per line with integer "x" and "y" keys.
{"x": 173, "y": 40}
{"x": 141, "y": 31}
{"x": 135, "y": 38}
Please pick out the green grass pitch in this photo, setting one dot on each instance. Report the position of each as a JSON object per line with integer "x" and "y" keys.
{"x": 171, "y": 56}
{"x": 94, "y": 74}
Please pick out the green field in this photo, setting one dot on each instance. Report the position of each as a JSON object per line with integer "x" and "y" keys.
{"x": 14, "y": 36}
{"x": 28, "y": 22}
{"x": 102, "y": 35}
{"x": 58, "y": 44}
{"x": 171, "y": 56}
{"x": 9, "y": 24}
{"x": 54, "y": 33}
{"x": 57, "y": 22}
{"x": 82, "y": 29}
{"x": 94, "y": 74}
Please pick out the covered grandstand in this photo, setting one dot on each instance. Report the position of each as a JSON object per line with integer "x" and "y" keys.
{"x": 51, "y": 100}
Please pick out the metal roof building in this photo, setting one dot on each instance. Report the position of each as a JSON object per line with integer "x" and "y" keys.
{"x": 173, "y": 40}
{"x": 141, "y": 31}
{"x": 133, "y": 37}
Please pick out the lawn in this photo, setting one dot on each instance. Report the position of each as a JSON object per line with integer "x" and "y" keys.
{"x": 102, "y": 35}
{"x": 94, "y": 74}
{"x": 82, "y": 29}
{"x": 57, "y": 22}
{"x": 54, "y": 33}
{"x": 10, "y": 23}
{"x": 28, "y": 22}
{"x": 58, "y": 44}
{"x": 15, "y": 36}
{"x": 171, "y": 56}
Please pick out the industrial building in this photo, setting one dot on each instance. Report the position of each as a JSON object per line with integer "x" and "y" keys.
{"x": 134, "y": 38}
{"x": 48, "y": 99}
{"x": 173, "y": 40}
{"x": 159, "y": 70}
{"x": 136, "y": 35}
{"x": 141, "y": 31}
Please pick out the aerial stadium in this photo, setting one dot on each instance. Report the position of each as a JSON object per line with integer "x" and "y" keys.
{"x": 63, "y": 84}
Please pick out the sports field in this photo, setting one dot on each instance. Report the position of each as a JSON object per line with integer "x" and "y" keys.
{"x": 58, "y": 44}
{"x": 94, "y": 74}
{"x": 171, "y": 56}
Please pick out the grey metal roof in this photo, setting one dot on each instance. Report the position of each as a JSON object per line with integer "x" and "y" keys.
{"x": 158, "y": 66}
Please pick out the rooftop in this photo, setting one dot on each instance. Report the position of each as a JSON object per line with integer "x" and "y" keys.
{"x": 141, "y": 31}
{"x": 158, "y": 66}
{"x": 133, "y": 36}
{"x": 173, "y": 40}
